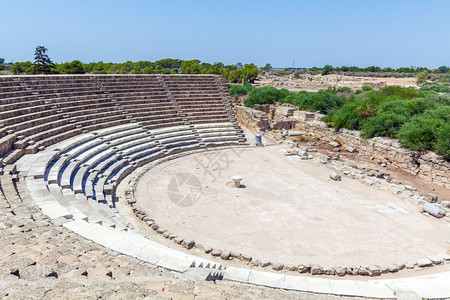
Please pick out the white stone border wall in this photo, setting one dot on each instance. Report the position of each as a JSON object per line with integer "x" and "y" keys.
{"x": 313, "y": 269}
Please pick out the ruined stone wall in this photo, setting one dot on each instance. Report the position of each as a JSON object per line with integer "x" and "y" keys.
{"x": 251, "y": 118}
{"x": 429, "y": 166}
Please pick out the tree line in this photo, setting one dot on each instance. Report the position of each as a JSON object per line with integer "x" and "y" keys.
{"x": 43, "y": 65}
{"x": 329, "y": 69}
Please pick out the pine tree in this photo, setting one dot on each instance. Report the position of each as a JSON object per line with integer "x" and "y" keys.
{"x": 42, "y": 63}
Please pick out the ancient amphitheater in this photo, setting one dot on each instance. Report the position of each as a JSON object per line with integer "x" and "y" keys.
{"x": 122, "y": 186}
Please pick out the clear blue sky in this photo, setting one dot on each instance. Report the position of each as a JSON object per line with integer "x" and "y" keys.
{"x": 313, "y": 33}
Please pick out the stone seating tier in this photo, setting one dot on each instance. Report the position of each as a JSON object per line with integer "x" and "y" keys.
{"x": 38, "y": 111}
{"x": 92, "y": 166}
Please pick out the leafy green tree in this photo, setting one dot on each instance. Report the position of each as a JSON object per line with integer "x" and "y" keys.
{"x": 159, "y": 69}
{"x": 249, "y": 73}
{"x": 191, "y": 67}
{"x": 267, "y": 67}
{"x": 2, "y": 60}
{"x": 42, "y": 63}
{"x": 74, "y": 67}
{"x": 443, "y": 69}
{"x": 169, "y": 63}
{"x": 22, "y": 67}
{"x": 328, "y": 69}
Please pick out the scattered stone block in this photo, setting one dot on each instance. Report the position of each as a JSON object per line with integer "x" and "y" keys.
{"x": 334, "y": 144}
{"x": 350, "y": 149}
{"x": 340, "y": 271}
{"x": 374, "y": 271}
{"x": 160, "y": 230}
{"x": 245, "y": 257}
{"x": 316, "y": 270}
{"x": 431, "y": 198}
{"x": 437, "y": 260}
{"x": 178, "y": 240}
{"x": 189, "y": 244}
{"x": 424, "y": 262}
{"x": 392, "y": 268}
{"x": 303, "y": 153}
{"x": 433, "y": 210}
{"x": 216, "y": 252}
{"x": 277, "y": 267}
{"x": 290, "y": 152}
{"x": 255, "y": 262}
{"x": 264, "y": 263}
{"x": 409, "y": 266}
{"x": 328, "y": 271}
{"x": 396, "y": 182}
{"x": 303, "y": 268}
{"x": 364, "y": 271}
{"x": 335, "y": 176}
{"x": 292, "y": 268}
{"x": 225, "y": 255}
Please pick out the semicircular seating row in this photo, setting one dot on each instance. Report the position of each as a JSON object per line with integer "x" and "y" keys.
{"x": 82, "y": 158}
{"x": 39, "y": 111}
{"x": 74, "y": 182}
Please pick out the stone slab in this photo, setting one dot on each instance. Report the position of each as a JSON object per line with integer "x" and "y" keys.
{"x": 151, "y": 253}
{"x": 375, "y": 289}
{"x": 319, "y": 285}
{"x": 298, "y": 283}
{"x": 179, "y": 262}
{"x": 267, "y": 279}
{"x": 345, "y": 288}
{"x": 130, "y": 245}
{"x": 237, "y": 274}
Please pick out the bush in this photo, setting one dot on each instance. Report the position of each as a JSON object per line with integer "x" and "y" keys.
{"x": 383, "y": 124}
{"x": 265, "y": 95}
{"x": 428, "y": 131}
{"x": 445, "y": 78}
{"x": 366, "y": 88}
{"x": 420, "y": 133}
{"x": 238, "y": 90}
{"x": 399, "y": 92}
{"x": 327, "y": 70}
{"x": 422, "y": 77}
{"x": 434, "y": 86}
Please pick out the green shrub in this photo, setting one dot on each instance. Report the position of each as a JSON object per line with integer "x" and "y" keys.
{"x": 428, "y": 131}
{"x": 434, "y": 86}
{"x": 399, "y": 92}
{"x": 344, "y": 90}
{"x": 366, "y": 88}
{"x": 422, "y": 77}
{"x": 265, "y": 95}
{"x": 327, "y": 70}
{"x": 383, "y": 124}
{"x": 238, "y": 90}
{"x": 445, "y": 78}
{"x": 420, "y": 133}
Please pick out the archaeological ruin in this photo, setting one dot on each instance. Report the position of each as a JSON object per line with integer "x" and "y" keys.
{"x": 151, "y": 185}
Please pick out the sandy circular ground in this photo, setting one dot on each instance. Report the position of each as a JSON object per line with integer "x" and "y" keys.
{"x": 287, "y": 210}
